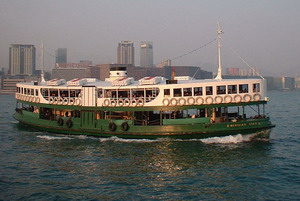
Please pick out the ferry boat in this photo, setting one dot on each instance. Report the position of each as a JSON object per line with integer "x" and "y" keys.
{"x": 152, "y": 107}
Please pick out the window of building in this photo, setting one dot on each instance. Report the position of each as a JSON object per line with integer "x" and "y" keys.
{"x": 243, "y": 88}
{"x": 221, "y": 89}
{"x": 187, "y": 91}
{"x": 124, "y": 93}
{"x": 232, "y": 89}
{"x": 209, "y": 90}
{"x": 198, "y": 91}
{"x": 100, "y": 93}
{"x": 177, "y": 92}
{"x": 256, "y": 87}
{"x": 166, "y": 92}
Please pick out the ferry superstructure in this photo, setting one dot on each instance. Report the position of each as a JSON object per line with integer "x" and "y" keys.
{"x": 151, "y": 107}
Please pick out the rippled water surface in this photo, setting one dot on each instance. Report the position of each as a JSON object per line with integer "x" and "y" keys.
{"x": 42, "y": 166}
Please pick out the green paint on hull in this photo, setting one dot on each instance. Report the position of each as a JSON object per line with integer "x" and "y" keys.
{"x": 182, "y": 131}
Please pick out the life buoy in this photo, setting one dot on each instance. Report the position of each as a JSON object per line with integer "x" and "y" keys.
{"x": 51, "y": 100}
{"x": 227, "y": 99}
{"x": 124, "y": 126}
{"x": 112, "y": 126}
{"x": 65, "y": 101}
{"x": 199, "y": 101}
{"x": 173, "y": 101}
{"x": 191, "y": 101}
{"x": 60, "y": 101}
{"x": 77, "y": 101}
{"x": 106, "y": 102}
{"x": 126, "y": 102}
{"x": 60, "y": 122}
{"x": 218, "y": 99}
{"x": 209, "y": 100}
{"x": 247, "y": 98}
{"x": 113, "y": 102}
{"x": 37, "y": 100}
{"x": 71, "y": 101}
{"x": 181, "y": 101}
{"x": 256, "y": 97}
{"x": 166, "y": 102}
{"x": 120, "y": 102}
{"x": 140, "y": 102}
{"x": 133, "y": 103}
{"x": 237, "y": 98}
{"x": 69, "y": 123}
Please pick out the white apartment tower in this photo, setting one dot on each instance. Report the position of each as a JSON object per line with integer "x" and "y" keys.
{"x": 126, "y": 53}
{"x": 21, "y": 59}
{"x": 146, "y": 54}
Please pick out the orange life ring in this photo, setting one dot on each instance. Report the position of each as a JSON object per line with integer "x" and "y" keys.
{"x": 227, "y": 99}
{"x": 166, "y": 102}
{"x": 218, "y": 99}
{"x": 209, "y": 100}
{"x": 247, "y": 98}
{"x": 173, "y": 101}
{"x": 237, "y": 98}
{"x": 181, "y": 101}
{"x": 191, "y": 101}
{"x": 256, "y": 97}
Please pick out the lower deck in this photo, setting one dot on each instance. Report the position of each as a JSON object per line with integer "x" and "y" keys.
{"x": 179, "y": 123}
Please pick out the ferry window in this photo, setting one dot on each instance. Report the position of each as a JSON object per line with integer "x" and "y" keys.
{"x": 243, "y": 88}
{"x": 209, "y": 90}
{"x": 100, "y": 94}
{"x": 31, "y": 92}
{"x": 72, "y": 93}
{"x": 232, "y": 89}
{"x": 177, "y": 92}
{"x": 187, "y": 91}
{"x": 167, "y": 92}
{"x": 256, "y": 87}
{"x": 53, "y": 92}
{"x": 198, "y": 91}
{"x": 64, "y": 93}
{"x": 138, "y": 93}
{"x": 221, "y": 89}
{"x": 78, "y": 93}
{"x": 36, "y": 92}
{"x": 107, "y": 93}
{"x": 124, "y": 93}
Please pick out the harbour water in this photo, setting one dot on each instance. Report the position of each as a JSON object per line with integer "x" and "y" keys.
{"x": 43, "y": 166}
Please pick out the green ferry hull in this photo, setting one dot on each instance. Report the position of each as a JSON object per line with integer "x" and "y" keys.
{"x": 100, "y": 128}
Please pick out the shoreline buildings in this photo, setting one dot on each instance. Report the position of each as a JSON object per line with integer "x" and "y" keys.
{"x": 22, "y": 60}
{"x": 146, "y": 54}
{"x": 125, "y": 53}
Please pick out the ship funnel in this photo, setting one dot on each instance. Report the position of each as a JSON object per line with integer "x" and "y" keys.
{"x": 117, "y": 72}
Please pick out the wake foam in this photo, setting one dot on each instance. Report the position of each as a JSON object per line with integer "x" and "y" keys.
{"x": 47, "y": 137}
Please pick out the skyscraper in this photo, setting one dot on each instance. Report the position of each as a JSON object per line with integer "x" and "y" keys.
{"x": 146, "y": 54}
{"x": 61, "y": 55}
{"x": 126, "y": 53}
{"x": 21, "y": 59}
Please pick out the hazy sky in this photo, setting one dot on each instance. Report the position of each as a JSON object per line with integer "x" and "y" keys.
{"x": 266, "y": 33}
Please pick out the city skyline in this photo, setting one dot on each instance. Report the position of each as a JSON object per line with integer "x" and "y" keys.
{"x": 263, "y": 33}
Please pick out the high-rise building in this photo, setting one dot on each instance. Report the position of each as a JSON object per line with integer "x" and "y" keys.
{"x": 126, "y": 53}
{"x": 61, "y": 55}
{"x": 146, "y": 54}
{"x": 21, "y": 59}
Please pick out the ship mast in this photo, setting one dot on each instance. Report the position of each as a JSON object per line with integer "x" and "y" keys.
{"x": 219, "y": 73}
{"x": 42, "y": 62}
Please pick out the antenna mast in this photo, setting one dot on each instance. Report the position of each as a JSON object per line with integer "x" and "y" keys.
{"x": 219, "y": 32}
{"x": 42, "y": 62}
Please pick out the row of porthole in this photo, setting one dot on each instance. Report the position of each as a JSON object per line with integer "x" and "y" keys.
{"x": 210, "y": 100}
{"x": 28, "y": 98}
{"x": 64, "y": 101}
{"x": 124, "y": 103}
